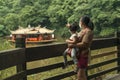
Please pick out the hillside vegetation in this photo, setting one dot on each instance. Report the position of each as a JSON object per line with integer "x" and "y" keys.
{"x": 56, "y": 13}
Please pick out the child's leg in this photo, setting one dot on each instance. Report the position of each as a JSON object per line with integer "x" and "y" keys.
{"x": 65, "y": 55}
{"x": 73, "y": 55}
{"x": 75, "y": 60}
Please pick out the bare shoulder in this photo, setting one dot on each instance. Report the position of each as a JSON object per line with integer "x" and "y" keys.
{"x": 89, "y": 31}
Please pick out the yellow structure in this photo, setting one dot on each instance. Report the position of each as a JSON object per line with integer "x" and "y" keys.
{"x": 33, "y": 34}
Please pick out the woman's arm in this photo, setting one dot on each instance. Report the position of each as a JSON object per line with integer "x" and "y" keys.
{"x": 72, "y": 41}
{"x": 85, "y": 41}
{"x": 79, "y": 45}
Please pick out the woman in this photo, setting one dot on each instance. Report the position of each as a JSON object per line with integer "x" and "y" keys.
{"x": 86, "y": 36}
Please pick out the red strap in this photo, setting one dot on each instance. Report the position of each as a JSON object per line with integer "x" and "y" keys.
{"x": 69, "y": 52}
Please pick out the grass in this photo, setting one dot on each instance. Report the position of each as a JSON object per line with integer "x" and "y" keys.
{"x": 41, "y": 76}
{"x": 7, "y": 72}
{"x": 5, "y": 44}
{"x": 48, "y": 73}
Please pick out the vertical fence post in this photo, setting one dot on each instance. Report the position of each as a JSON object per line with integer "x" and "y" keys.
{"x": 20, "y": 43}
{"x": 118, "y": 48}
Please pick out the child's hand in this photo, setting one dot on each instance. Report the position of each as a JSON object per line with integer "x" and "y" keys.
{"x": 71, "y": 45}
{"x": 68, "y": 25}
{"x": 67, "y": 40}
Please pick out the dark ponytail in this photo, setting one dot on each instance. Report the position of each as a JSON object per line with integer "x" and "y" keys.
{"x": 86, "y": 20}
{"x": 91, "y": 25}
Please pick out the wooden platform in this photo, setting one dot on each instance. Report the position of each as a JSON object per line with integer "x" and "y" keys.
{"x": 43, "y": 41}
{"x": 36, "y": 42}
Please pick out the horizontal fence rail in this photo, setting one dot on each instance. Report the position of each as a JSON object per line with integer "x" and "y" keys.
{"x": 103, "y": 72}
{"x": 17, "y": 76}
{"x": 11, "y": 58}
{"x": 24, "y": 55}
{"x": 104, "y": 43}
{"x": 104, "y": 54}
{"x": 55, "y": 50}
{"x": 46, "y": 51}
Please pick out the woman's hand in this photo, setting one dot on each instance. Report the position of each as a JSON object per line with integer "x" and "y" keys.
{"x": 71, "y": 45}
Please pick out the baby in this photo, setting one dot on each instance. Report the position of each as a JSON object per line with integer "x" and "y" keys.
{"x": 72, "y": 40}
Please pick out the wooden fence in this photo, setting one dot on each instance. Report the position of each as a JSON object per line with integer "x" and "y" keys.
{"x": 20, "y": 56}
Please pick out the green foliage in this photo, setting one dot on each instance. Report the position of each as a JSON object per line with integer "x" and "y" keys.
{"x": 65, "y": 32}
{"x": 3, "y": 31}
{"x": 4, "y": 44}
{"x": 107, "y": 32}
{"x": 56, "y": 13}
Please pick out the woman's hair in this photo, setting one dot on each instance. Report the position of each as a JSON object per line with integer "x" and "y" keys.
{"x": 86, "y": 20}
{"x": 74, "y": 26}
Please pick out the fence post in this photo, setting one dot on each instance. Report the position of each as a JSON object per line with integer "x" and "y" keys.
{"x": 118, "y": 48}
{"x": 20, "y": 43}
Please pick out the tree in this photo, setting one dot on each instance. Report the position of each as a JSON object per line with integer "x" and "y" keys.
{"x": 3, "y": 31}
{"x": 56, "y": 13}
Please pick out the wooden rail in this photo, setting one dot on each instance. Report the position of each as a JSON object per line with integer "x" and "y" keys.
{"x": 12, "y": 58}
{"x": 20, "y": 56}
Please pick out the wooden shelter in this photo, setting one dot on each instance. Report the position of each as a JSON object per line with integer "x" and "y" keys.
{"x": 34, "y": 34}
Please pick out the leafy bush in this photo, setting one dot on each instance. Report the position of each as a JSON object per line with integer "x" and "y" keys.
{"x": 3, "y": 31}
{"x": 62, "y": 33}
{"x": 4, "y": 44}
{"x": 107, "y": 32}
